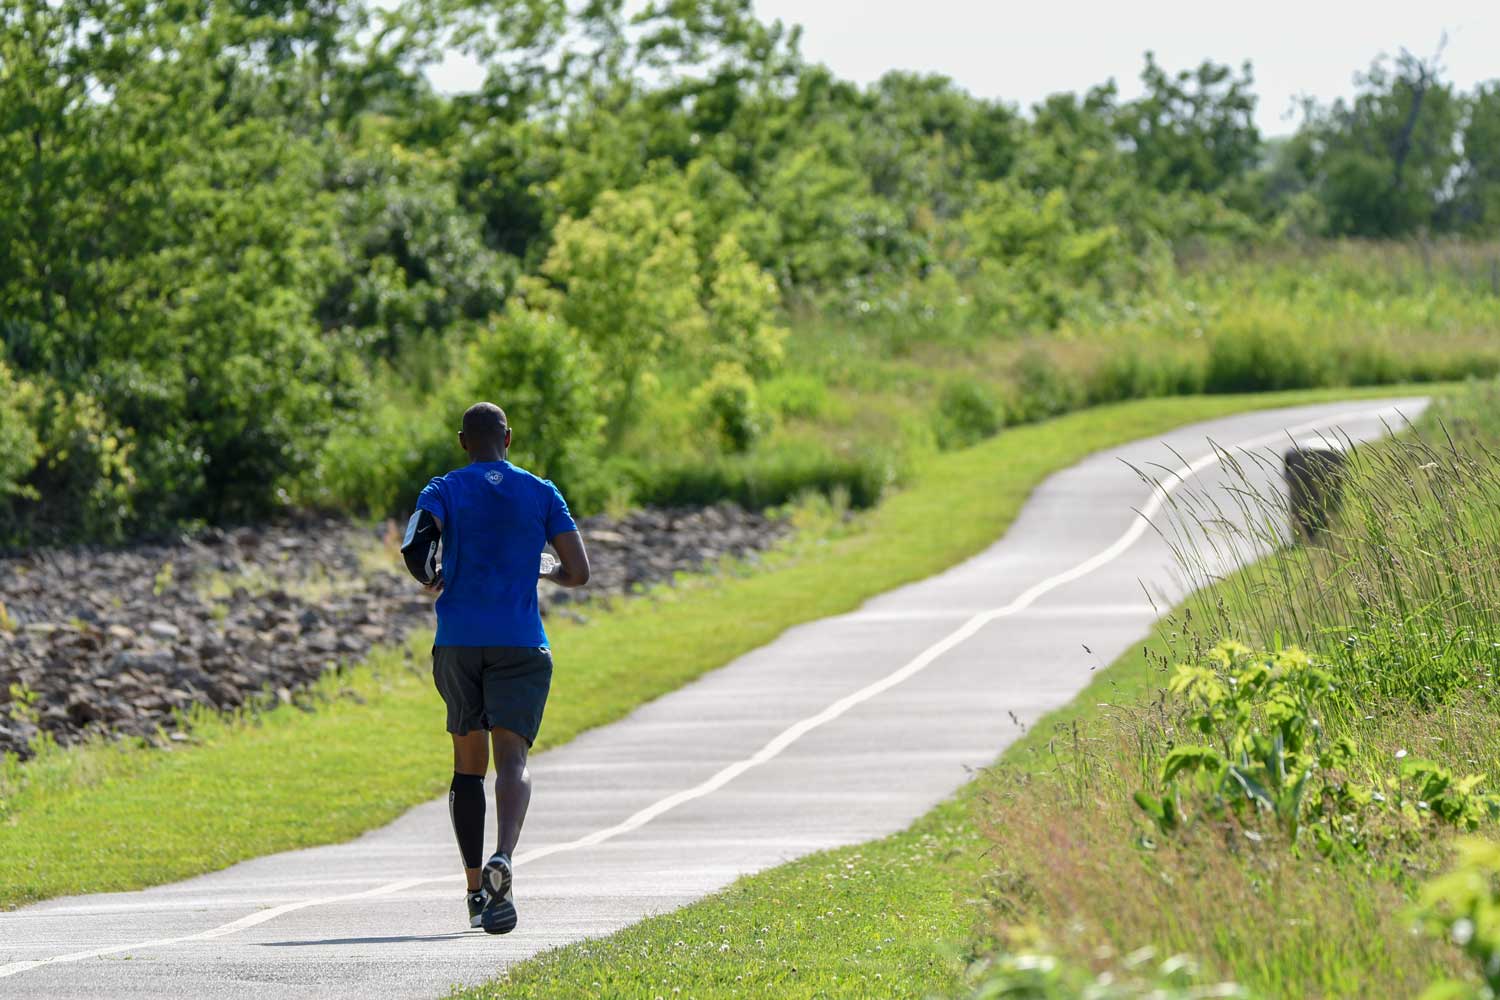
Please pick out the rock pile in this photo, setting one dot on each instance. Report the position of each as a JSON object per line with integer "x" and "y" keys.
{"x": 125, "y": 641}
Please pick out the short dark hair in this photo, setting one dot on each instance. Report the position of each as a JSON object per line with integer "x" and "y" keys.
{"x": 484, "y": 422}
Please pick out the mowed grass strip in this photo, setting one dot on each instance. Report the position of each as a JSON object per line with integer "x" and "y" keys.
{"x": 883, "y": 919}
{"x": 110, "y": 818}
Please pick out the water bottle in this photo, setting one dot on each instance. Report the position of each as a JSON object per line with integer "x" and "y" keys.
{"x": 549, "y": 563}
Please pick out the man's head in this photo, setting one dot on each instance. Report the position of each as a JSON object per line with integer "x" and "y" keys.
{"x": 485, "y": 434}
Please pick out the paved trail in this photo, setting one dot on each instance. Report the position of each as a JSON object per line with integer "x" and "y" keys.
{"x": 841, "y": 730}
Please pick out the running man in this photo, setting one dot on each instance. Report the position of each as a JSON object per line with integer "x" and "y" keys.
{"x": 490, "y": 659}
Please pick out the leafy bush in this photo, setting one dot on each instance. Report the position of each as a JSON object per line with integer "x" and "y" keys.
{"x": 1268, "y": 753}
{"x": 765, "y": 478}
{"x": 82, "y": 482}
{"x": 531, "y": 365}
{"x": 966, "y": 414}
{"x": 729, "y": 408}
{"x": 1463, "y": 906}
{"x": 742, "y": 309}
{"x": 795, "y": 394}
{"x": 1042, "y": 389}
{"x": 19, "y": 448}
{"x": 376, "y": 464}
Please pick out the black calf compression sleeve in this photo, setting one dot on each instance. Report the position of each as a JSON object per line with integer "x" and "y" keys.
{"x": 466, "y": 809}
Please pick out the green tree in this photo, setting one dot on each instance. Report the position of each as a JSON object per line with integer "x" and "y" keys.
{"x": 1383, "y": 162}
{"x": 822, "y": 223}
{"x": 742, "y": 310}
{"x": 1035, "y": 259}
{"x": 1476, "y": 199}
{"x": 161, "y": 249}
{"x": 412, "y": 263}
{"x": 626, "y": 278}
{"x": 1193, "y": 130}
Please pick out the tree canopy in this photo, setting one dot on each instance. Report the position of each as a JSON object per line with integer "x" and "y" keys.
{"x": 222, "y": 221}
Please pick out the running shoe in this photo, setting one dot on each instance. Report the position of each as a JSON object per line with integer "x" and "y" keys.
{"x": 499, "y": 913}
{"x": 476, "y": 901}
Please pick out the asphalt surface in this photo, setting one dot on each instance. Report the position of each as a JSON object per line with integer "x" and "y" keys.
{"x": 841, "y": 730}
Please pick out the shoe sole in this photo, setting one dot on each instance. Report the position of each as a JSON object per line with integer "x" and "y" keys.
{"x": 500, "y": 917}
{"x": 496, "y": 879}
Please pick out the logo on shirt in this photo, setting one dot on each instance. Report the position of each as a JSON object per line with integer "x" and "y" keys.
{"x": 494, "y": 476}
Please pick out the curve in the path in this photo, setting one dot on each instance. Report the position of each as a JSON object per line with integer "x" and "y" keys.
{"x": 839, "y": 731}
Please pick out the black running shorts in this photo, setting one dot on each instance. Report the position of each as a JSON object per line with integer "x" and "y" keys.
{"x": 489, "y": 686}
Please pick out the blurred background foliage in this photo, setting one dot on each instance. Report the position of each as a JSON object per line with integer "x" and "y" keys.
{"x": 250, "y": 259}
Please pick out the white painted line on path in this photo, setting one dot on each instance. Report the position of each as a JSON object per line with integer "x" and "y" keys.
{"x": 250, "y": 920}
{"x": 961, "y": 614}
{"x": 1138, "y": 526}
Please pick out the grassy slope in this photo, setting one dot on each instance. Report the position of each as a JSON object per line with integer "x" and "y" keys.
{"x": 110, "y": 819}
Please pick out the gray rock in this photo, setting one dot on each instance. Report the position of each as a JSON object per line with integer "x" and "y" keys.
{"x": 139, "y": 655}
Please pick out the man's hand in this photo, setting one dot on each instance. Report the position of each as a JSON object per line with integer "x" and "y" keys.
{"x": 436, "y": 586}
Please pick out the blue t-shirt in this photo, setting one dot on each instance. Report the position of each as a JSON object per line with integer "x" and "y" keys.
{"x": 496, "y": 519}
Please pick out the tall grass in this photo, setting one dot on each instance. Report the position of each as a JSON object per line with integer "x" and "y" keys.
{"x": 1397, "y": 600}
{"x": 1406, "y": 576}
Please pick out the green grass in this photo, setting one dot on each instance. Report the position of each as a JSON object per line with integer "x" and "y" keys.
{"x": 903, "y": 916}
{"x": 109, "y": 818}
{"x": 880, "y": 920}
{"x": 1396, "y": 603}
{"x": 929, "y": 931}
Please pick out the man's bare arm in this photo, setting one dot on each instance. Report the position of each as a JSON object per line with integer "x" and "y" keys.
{"x": 573, "y": 568}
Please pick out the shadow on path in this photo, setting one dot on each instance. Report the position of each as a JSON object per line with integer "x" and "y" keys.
{"x": 373, "y": 940}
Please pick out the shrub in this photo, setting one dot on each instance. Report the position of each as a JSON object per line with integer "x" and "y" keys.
{"x": 377, "y": 462}
{"x": 534, "y": 367}
{"x": 1255, "y": 353}
{"x": 797, "y": 395}
{"x": 766, "y": 478}
{"x": 19, "y": 448}
{"x": 966, "y": 414}
{"x": 527, "y": 362}
{"x": 728, "y": 407}
{"x": 740, "y": 311}
{"x": 1266, "y": 751}
{"x": 1463, "y": 906}
{"x": 81, "y": 483}
{"x": 1042, "y": 389}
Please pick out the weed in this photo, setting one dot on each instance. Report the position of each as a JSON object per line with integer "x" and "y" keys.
{"x": 1463, "y": 907}
{"x": 163, "y": 580}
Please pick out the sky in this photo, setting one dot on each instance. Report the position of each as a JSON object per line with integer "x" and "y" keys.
{"x": 1021, "y": 52}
